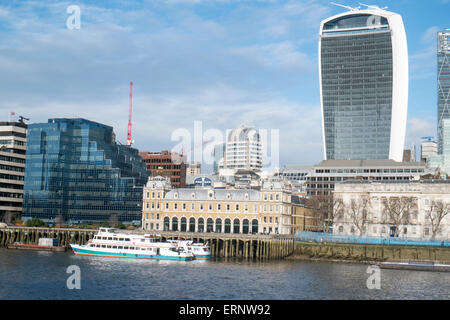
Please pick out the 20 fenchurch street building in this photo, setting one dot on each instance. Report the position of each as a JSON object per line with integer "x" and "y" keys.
{"x": 363, "y": 69}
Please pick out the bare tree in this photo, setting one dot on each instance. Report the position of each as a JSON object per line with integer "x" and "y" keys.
{"x": 326, "y": 208}
{"x": 438, "y": 211}
{"x": 398, "y": 210}
{"x": 359, "y": 212}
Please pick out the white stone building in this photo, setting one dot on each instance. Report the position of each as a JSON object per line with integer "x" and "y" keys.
{"x": 365, "y": 211}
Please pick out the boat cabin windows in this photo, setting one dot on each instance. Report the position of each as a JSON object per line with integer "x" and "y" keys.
{"x": 120, "y": 247}
{"x": 120, "y": 239}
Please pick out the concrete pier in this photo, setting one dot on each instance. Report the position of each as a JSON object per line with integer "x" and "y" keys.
{"x": 259, "y": 247}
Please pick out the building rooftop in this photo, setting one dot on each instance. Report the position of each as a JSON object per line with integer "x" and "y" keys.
{"x": 367, "y": 163}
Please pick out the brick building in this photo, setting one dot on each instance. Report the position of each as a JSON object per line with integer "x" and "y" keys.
{"x": 166, "y": 164}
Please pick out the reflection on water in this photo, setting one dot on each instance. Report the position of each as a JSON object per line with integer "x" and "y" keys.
{"x": 42, "y": 275}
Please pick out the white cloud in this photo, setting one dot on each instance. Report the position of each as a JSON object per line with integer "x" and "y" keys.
{"x": 184, "y": 68}
{"x": 277, "y": 55}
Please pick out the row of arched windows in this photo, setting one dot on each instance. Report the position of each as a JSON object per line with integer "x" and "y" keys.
{"x": 219, "y": 226}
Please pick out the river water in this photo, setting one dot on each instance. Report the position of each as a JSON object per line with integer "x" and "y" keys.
{"x": 43, "y": 275}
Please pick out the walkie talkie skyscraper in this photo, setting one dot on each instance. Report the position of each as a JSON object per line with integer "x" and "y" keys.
{"x": 363, "y": 68}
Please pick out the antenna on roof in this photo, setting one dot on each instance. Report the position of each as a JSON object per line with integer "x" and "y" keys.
{"x": 372, "y": 6}
{"x": 347, "y": 7}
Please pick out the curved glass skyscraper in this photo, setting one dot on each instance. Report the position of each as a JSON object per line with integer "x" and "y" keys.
{"x": 363, "y": 68}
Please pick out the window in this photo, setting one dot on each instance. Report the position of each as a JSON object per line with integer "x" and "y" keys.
{"x": 341, "y": 229}
{"x": 237, "y": 207}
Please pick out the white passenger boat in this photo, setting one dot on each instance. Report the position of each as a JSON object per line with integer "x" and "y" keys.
{"x": 108, "y": 243}
{"x": 200, "y": 251}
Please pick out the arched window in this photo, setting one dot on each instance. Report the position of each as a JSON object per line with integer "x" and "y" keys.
{"x": 218, "y": 225}
{"x": 245, "y": 226}
{"x": 201, "y": 225}
{"x": 209, "y": 225}
{"x": 227, "y": 226}
{"x": 174, "y": 224}
{"x": 183, "y": 225}
{"x": 254, "y": 226}
{"x": 166, "y": 224}
{"x": 192, "y": 225}
{"x": 236, "y": 226}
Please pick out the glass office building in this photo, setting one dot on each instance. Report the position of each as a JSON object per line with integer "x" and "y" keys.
{"x": 363, "y": 67}
{"x": 443, "y": 57}
{"x": 76, "y": 171}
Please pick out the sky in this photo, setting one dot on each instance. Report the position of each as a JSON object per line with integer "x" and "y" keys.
{"x": 220, "y": 62}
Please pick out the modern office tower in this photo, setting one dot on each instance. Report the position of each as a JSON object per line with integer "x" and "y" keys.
{"x": 296, "y": 174}
{"x": 428, "y": 148}
{"x": 13, "y": 137}
{"x": 77, "y": 173}
{"x": 328, "y": 173}
{"x": 166, "y": 164}
{"x": 442, "y": 161}
{"x": 443, "y": 57}
{"x": 219, "y": 152}
{"x": 363, "y": 70}
{"x": 243, "y": 149}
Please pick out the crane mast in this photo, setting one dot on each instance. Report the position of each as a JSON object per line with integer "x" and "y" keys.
{"x": 130, "y": 111}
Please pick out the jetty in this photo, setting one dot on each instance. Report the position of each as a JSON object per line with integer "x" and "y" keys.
{"x": 246, "y": 246}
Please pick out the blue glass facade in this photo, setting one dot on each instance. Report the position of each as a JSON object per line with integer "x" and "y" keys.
{"x": 357, "y": 87}
{"x": 77, "y": 171}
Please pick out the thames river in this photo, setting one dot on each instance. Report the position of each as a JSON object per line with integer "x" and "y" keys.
{"x": 43, "y": 275}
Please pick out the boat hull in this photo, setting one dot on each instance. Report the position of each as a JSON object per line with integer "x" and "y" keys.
{"x": 88, "y": 252}
{"x": 202, "y": 256}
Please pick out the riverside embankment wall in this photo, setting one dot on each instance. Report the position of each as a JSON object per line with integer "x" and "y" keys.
{"x": 367, "y": 253}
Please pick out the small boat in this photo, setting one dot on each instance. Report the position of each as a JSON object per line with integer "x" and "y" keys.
{"x": 415, "y": 265}
{"x": 44, "y": 244}
{"x": 108, "y": 243}
{"x": 200, "y": 251}
{"x": 36, "y": 247}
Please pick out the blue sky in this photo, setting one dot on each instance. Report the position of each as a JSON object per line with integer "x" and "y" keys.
{"x": 222, "y": 62}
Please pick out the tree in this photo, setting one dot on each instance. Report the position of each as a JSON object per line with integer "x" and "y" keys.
{"x": 35, "y": 222}
{"x": 437, "y": 212}
{"x": 326, "y": 209}
{"x": 359, "y": 212}
{"x": 397, "y": 211}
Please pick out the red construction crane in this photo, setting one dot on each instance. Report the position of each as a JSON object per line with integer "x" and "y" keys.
{"x": 129, "y": 140}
